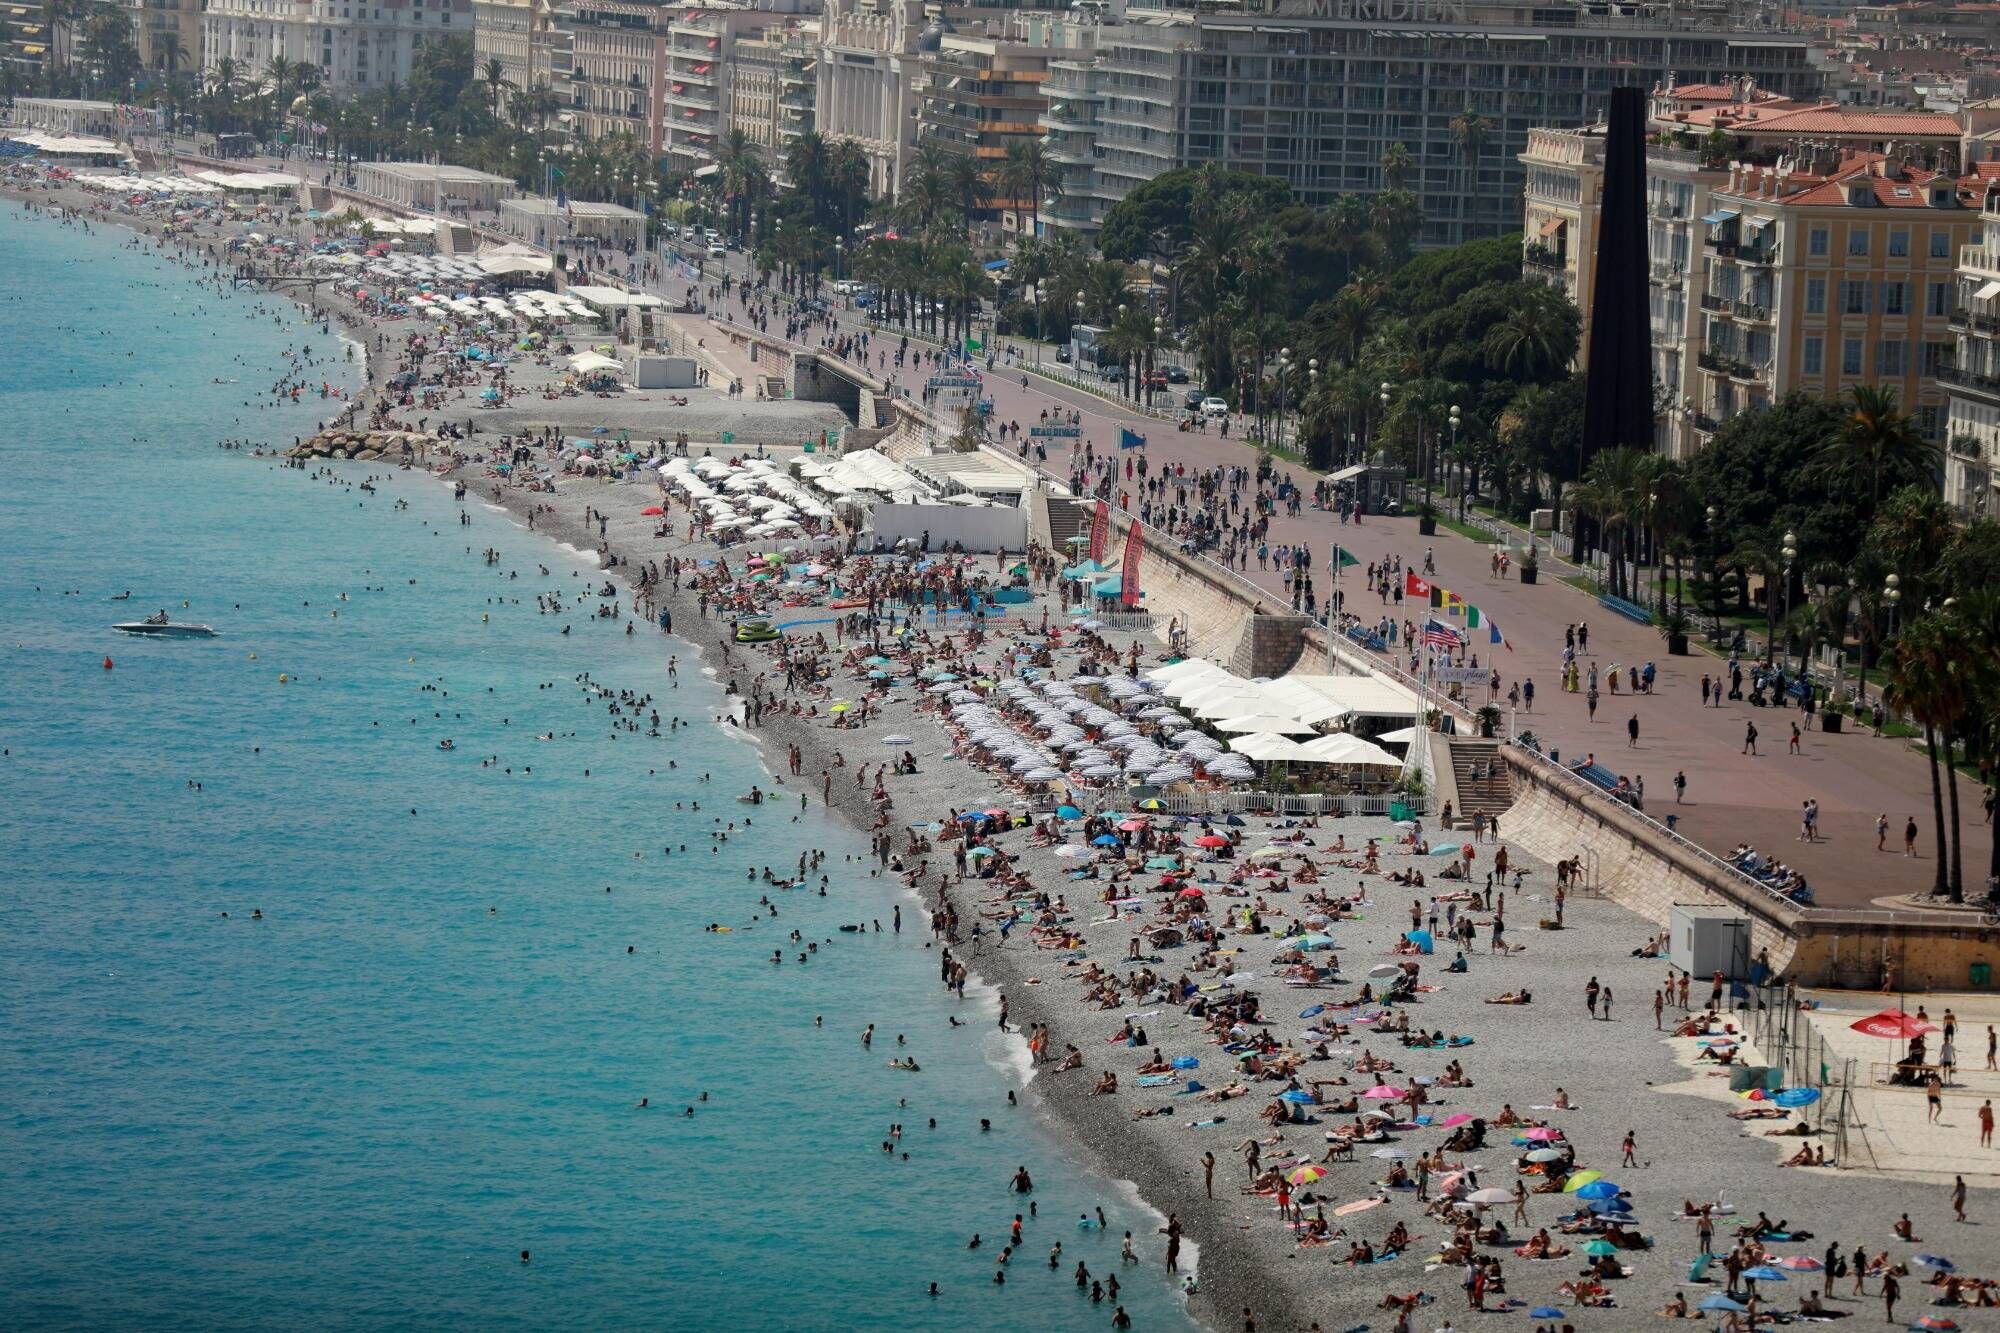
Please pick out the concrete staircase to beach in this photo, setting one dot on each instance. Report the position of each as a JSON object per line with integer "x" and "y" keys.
{"x": 1067, "y": 518}
{"x": 1488, "y": 793}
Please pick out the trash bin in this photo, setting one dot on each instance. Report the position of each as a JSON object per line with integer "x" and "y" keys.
{"x": 1981, "y": 977}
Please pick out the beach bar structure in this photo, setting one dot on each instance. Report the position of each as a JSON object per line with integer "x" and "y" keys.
{"x": 420, "y": 185}
{"x": 68, "y": 116}
{"x": 546, "y": 223}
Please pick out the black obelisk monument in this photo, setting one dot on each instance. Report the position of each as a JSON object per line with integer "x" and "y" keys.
{"x": 1618, "y": 387}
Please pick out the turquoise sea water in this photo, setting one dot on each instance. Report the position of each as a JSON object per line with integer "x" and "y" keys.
{"x": 426, "y": 1057}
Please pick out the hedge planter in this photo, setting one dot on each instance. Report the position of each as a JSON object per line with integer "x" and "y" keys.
{"x": 1529, "y": 573}
{"x": 1829, "y": 721}
{"x": 1677, "y": 645}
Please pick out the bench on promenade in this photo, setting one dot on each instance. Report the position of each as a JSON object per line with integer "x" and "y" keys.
{"x": 1629, "y": 610}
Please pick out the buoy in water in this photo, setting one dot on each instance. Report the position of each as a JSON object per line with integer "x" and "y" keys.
{"x": 284, "y": 679}
{"x": 485, "y": 617}
{"x": 253, "y": 657}
{"x": 107, "y": 664}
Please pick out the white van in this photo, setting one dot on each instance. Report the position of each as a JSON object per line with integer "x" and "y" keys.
{"x": 1214, "y": 407}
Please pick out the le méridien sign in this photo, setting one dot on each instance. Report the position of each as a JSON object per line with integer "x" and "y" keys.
{"x": 1380, "y": 11}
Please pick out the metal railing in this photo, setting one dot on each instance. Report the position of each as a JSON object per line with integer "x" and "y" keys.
{"x": 1751, "y": 885}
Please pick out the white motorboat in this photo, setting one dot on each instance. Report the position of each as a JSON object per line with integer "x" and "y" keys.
{"x": 161, "y": 628}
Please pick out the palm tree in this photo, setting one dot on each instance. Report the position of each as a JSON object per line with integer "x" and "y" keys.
{"x": 1349, "y": 232}
{"x": 1355, "y": 307}
{"x": 1396, "y": 217}
{"x": 1615, "y": 489}
{"x": 1396, "y": 163}
{"x": 495, "y": 84}
{"x": 743, "y": 176}
{"x": 805, "y": 163}
{"x": 1470, "y": 131}
{"x": 1529, "y": 343}
{"x": 278, "y": 73}
{"x": 1030, "y": 174}
{"x": 1924, "y": 683}
{"x": 847, "y": 177}
{"x": 167, "y": 52}
{"x": 1877, "y": 441}
{"x": 965, "y": 176}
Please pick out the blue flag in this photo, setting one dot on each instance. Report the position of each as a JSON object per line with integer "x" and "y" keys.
{"x": 1130, "y": 439}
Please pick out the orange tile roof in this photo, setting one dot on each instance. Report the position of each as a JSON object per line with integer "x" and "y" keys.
{"x": 1807, "y": 190}
{"x": 1823, "y": 118}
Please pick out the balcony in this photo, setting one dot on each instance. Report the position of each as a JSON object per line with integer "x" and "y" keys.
{"x": 1725, "y": 363}
{"x": 1667, "y": 275}
{"x": 1541, "y": 257}
{"x": 1712, "y": 301}
{"x": 1754, "y": 310}
{"x": 1704, "y": 423}
{"x": 1744, "y": 252}
{"x": 1666, "y": 212}
{"x": 1973, "y": 322}
{"x": 1987, "y": 386}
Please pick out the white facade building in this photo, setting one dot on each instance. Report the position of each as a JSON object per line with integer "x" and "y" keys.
{"x": 356, "y": 45}
{"x": 869, "y": 67}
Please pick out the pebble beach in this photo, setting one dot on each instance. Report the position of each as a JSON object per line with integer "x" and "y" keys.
{"x": 1594, "y": 1075}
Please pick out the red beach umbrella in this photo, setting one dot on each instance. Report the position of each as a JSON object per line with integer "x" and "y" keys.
{"x": 1892, "y": 1023}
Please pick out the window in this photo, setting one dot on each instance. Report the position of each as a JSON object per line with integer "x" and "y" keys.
{"x": 1816, "y": 243}
{"x": 1899, "y": 243}
{"x": 1854, "y": 296}
{"x": 1930, "y": 420}
{"x": 1938, "y": 300}
{"x": 1815, "y": 296}
{"x": 1936, "y": 357}
{"x": 1893, "y": 298}
{"x": 1891, "y": 357}
{"x": 1940, "y": 243}
{"x": 1815, "y": 356}
{"x": 1857, "y": 242}
{"x": 1850, "y": 356}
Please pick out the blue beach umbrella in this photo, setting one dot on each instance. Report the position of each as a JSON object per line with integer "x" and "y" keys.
{"x": 1610, "y": 1207}
{"x": 1764, "y": 1273}
{"x": 1105, "y": 840}
{"x": 1313, "y": 1011}
{"x": 1598, "y": 1189}
{"x": 1068, "y": 812}
{"x": 1721, "y": 1302}
{"x": 972, "y": 817}
{"x": 1795, "y": 1097}
{"x": 978, "y": 852}
{"x": 1316, "y": 942}
{"x": 1936, "y": 1262}
{"x": 1297, "y": 1097}
{"x": 1545, "y": 1312}
{"x": 1185, "y": 1062}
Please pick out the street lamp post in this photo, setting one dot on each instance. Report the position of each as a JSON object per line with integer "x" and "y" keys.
{"x": 1790, "y": 552}
{"x": 1714, "y": 574}
{"x": 1284, "y": 368}
{"x": 1454, "y": 456}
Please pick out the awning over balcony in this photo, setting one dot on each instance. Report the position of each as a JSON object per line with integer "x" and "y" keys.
{"x": 1552, "y": 226}
{"x": 1987, "y": 291}
{"x": 1720, "y": 216}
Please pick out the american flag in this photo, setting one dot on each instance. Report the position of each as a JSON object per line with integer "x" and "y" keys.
{"x": 1440, "y": 636}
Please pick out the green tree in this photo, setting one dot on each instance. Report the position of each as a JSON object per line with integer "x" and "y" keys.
{"x": 1158, "y": 217}
{"x": 1029, "y": 173}
{"x": 1396, "y": 163}
{"x": 1877, "y": 443}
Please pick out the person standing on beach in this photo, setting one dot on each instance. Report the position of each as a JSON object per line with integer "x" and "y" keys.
{"x": 1986, "y": 1122}
{"x": 1958, "y": 1197}
{"x": 1208, "y": 1174}
{"x": 1172, "y": 1231}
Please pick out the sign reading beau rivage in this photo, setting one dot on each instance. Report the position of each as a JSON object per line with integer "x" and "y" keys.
{"x": 1375, "y": 11}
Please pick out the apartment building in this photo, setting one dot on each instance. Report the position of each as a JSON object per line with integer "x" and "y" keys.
{"x": 981, "y": 92}
{"x": 773, "y": 87}
{"x": 869, "y": 57}
{"x": 357, "y": 44}
{"x": 1698, "y": 131}
{"x": 1834, "y": 270}
{"x": 1972, "y": 379}
{"x": 521, "y": 35}
{"x": 659, "y": 74}
{"x": 1316, "y": 91}
{"x": 166, "y": 33}
{"x": 1563, "y": 191}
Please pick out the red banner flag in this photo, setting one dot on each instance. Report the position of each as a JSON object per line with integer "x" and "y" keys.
{"x": 1415, "y": 587}
{"x": 1128, "y": 579}
{"x": 1100, "y": 532}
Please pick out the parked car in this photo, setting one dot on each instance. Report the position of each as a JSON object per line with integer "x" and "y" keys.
{"x": 1156, "y": 380}
{"x": 1177, "y": 375}
{"x": 846, "y": 287}
{"x": 1214, "y": 407}
{"x": 813, "y": 305}
{"x": 1192, "y": 401}
{"x": 1112, "y": 373}
{"x": 1062, "y": 353}
{"x": 717, "y": 250}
